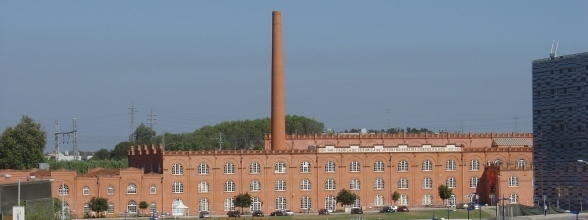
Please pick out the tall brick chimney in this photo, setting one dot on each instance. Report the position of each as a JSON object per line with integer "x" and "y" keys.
{"x": 278, "y": 119}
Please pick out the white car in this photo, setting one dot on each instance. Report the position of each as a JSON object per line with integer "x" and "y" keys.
{"x": 395, "y": 208}
{"x": 288, "y": 212}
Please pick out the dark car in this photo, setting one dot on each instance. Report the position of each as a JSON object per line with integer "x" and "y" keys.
{"x": 204, "y": 214}
{"x": 387, "y": 209}
{"x": 356, "y": 211}
{"x": 258, "y": 214}
{"x": 278, "y": 213}
{"x": 233, "y": 214}
{"x": 403, "y": 208}
{"x": 323, "y": 212}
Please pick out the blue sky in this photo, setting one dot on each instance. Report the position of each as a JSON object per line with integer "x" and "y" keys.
{"x": 443, "y": 65}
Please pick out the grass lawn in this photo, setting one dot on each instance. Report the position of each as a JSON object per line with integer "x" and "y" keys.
{"x": 415, "y": 214}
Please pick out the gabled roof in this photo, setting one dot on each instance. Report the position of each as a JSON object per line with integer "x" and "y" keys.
{"x": 511, "y": 142}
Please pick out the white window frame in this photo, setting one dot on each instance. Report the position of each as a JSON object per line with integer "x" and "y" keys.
{"x": 403, "y": 200}
{"x": 354, "y": 166}
{"x": 280, "y": 185}
{"x": 305, "y": 167}
{"x": 229, "y": 204}
{"x": 451, "y": 183}
{"x": 203, "y": 204}
{"x": 152, "y": 189}
{"x": 354, "y": 184}
{"x": 513, "y": 198}
{"x": 402, "y": 183}
{"x": 132, "y": 206}
{"x": 131, "y": 188}
{"x": 177, "y": 169}
{"x": 152, "y": 207}
{"x": 177, "y": 211}
{"x": 254, "y": 186}
{"x": 427, "y": 165}
{"x": 330, "y": 203}
{"x": 110, "y": 190}
{"x": 450, "y": 165}
{"x": 177, "y": 187}
{"x": 402, "y": 166}
{"x": 427, "y": 199}
{"x": 513, "y": 181}
{"x": 110, "y": 209}
{"x": 474, "y": 181}
{"x": 378, "y": 184}
{"x": 305, "y": 185}
{"x": 427, "y": 183}
{"x": 229, "y": 168}
{"x": 521, "y": 163}
{"x": 474, "y": 165}
{"x": 379, "y": 200}
{"x": 379, "y": 166}
{"x": 63, "y": 190}
{"x": 330, "y": 167}
{"x": 280, "y": 167}
{"x": 203, "y": 169}
{"x": 280, "y": 203}
{"x": 254, "y": 168}
{"x": 255, "y": 204}
{"x": 305, "y": 203}
{"x": 86, "y": 191}
{"x": 330, "y": 184}
{"x": 203, "y": 187}
{"x": 229, "y": 186}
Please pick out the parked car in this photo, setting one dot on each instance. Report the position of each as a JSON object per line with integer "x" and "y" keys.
{"x": 356, "y": 211}
{"x": 257, "y": 214}
{"x": 278, "y": 213}
{"x": 288, "y": 212}
{"x": 403, "y": 208}
{"x": 395, "y": 208}
{"x": 233, "y": 214}
{"x": 323, "y": 212}
{"x": 462, "y": 206}
{"x": 204, "y": 214}
{"x": 473, "y": 206}
{"x": 387, "y": 209}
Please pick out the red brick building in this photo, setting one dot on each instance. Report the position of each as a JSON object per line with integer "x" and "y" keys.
{"x": 308, "y": 175}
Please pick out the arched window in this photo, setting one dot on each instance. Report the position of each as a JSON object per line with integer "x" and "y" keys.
{"x": 203, "y": 169}
{"x": 305, "y": 167}
{"x": 131, "y": 189}
{"x": 177, "y": 169}
{"x": 110, "y": 209}
{"x": 63, "y": 190}
{"x": 280, "y": 203}
{"x": 177, "y": 187}
{"x": 450, "y": 165}
{"x": 229, "y": 168}
{"x": 379, "y": 183}
{"x": 203, "y": 187}
{"x": 86, "y": 208}
{"x": 379, "y": 166}
{"x": 254, "y": 186}
{"x": 109, "y": 190}
{"x": 66, "y": 207}
{"x": 474, "y": 165}
{"x": 305, "y": 203}
{"x": 427, "y": 166}
{"x": 427, "y": 200}
{"x": 450, "y": 182}
{"x": 255, "y": 204}
{"x": 229, "y": 204}
{"x": 521, "y": 163}
{"x": 450, "y": 201}
{"x": 330, "y": 184}
{"x": 175, "y": 209}
{"x": 402, "y": 166}
{"x": 427, "y": 183}
{"x": 86, "y": 190}
{"x": 132, "y": 206}
{"x": 354, "y": 184}
{"x": 403, "y": 199}
{"x": 474, "y": 182}
{"x": 229, "y": 186}
{"x": 152, "y": 189}
{"x": 330, "y": 202}
{"x": 305, "y": 185}
{"x": 498, "y": 162}
{"x": 354, "y": 166}
{"x": 330, "y": 167}
{"x": 513, "y": 181}
{"x": 280, "y": 185}
{"x": 254, "y": 168}
{"x": 357, "y": 203}
{"x": 513, "y": 198}
{"x": 280, "y": 167}
{"x": 402, "y": 183}
{"x": 152, "y": 207}
{"x": 378, "y": 200}
{"x": 203, "y": 204}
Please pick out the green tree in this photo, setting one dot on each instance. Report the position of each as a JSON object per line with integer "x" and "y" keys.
{"x": 121, "y": 151}
{"x": 346, "y": 197}
{"x": 243, "y": 201}
{"x": 22, "y": 147}
{"x": 98, "y": 205}
{"x": 102, "y": 154}
{"x": 143, "y": 134}
{"x": 444, "y": 192}
{"x": 395, "y": 196}
{"x": 143, "y": 205}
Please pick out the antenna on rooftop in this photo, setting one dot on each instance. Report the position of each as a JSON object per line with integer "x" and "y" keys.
{"x": 553, "y": 53}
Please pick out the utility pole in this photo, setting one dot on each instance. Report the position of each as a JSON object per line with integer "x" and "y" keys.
{"x": 151, "y": 119}
{"x": 132, "y": 135}
{"x": 63, "y": 134}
